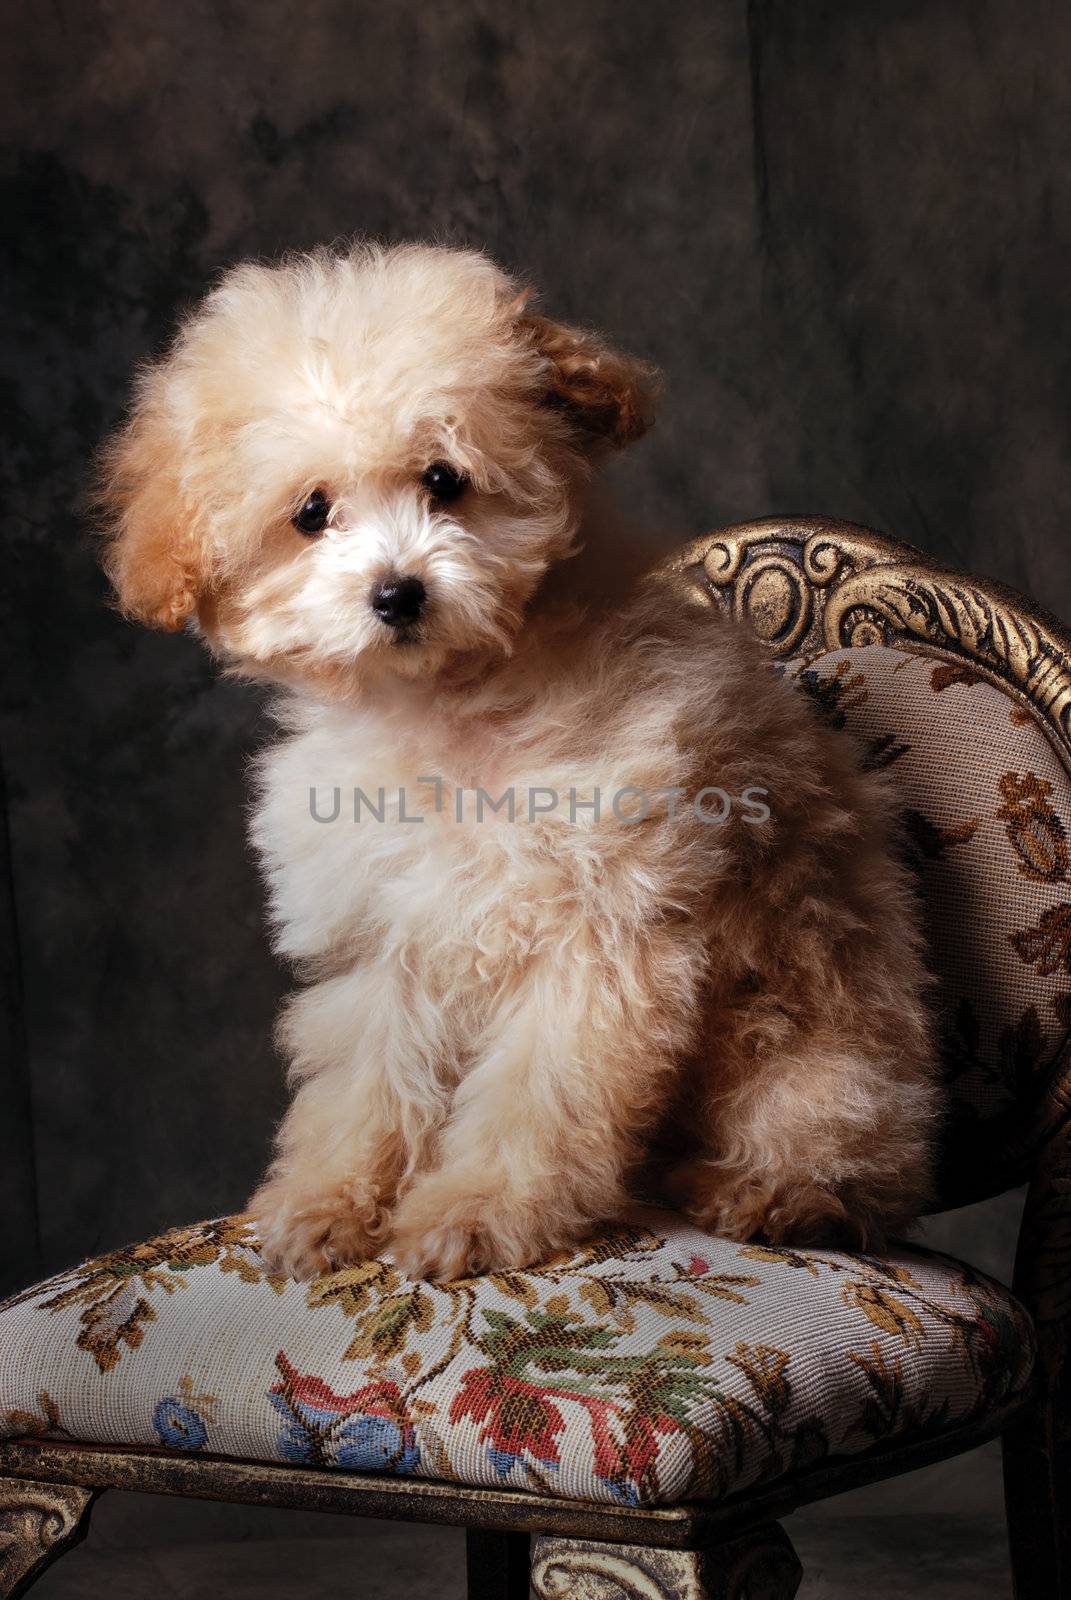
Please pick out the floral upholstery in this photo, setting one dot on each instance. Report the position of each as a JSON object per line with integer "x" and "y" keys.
{"x": 656, "y": 1365}
{"x": 987, "y": 803}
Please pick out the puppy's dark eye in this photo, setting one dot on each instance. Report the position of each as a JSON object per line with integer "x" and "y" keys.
{"x": 444, "y": 482}
{"x": 312, "y": 518}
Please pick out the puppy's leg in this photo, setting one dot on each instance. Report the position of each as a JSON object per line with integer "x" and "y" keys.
{"x": 825, "y": 1140}
{"x": 365, "y": 1101}
{"x": 324, "y": 1201}
{"x": 549, "y": 1121}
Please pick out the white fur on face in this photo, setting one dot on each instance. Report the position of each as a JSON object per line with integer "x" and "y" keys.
{"x": 479, "y": 565}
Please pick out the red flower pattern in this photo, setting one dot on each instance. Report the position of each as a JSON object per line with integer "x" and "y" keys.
{"x": 518, "y": 1418}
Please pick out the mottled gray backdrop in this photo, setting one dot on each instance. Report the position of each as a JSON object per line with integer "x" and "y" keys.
{"x": 841, "y": 229}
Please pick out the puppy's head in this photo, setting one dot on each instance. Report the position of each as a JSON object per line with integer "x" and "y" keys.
{"x": 357, "y": 465}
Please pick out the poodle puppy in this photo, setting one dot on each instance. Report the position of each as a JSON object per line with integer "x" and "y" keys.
{"x": 577, "y": 893}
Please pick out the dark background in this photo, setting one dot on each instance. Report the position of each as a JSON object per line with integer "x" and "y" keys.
{"x": 841, "y": 229}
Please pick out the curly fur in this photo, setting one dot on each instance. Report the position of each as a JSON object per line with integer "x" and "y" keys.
{"x": 506, "y": 1029}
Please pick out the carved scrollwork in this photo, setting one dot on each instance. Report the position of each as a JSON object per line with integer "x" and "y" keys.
{"x": 809, "y": 585}
{"x": 954, "y": 614}
{"x": 723, "y": 559}
{"x": 823, "y": 559}
{"x": 760, "y": 1565}
{"x": 937, "y": 608}
{"x": 38, "y": 1521}
{"x": 771, "y": 583}
{"x": 775, "y": 598}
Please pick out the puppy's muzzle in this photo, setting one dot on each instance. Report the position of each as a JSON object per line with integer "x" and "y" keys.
{"x": 399, "y": 601}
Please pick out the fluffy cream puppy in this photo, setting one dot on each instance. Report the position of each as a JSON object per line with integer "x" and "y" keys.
{"x": 685, "y": 942}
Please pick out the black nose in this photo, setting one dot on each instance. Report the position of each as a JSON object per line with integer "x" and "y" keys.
{"x": 399, "y": 601}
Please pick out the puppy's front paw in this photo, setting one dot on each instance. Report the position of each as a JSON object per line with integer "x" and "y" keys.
{"x": 443, "y": 1233}
{"x": 305, "y": 1233}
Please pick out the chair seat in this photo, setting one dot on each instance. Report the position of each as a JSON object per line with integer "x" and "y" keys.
{"x": 656, "y": 1365}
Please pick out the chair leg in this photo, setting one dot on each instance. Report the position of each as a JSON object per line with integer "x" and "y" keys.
{"x": 1037, "y": 1477}
{"x": 497, "y": 1565}
{"x": 760, "y": 1565}
{"x": 38, "y": 1522}
{"x": 1037, "y": 1448}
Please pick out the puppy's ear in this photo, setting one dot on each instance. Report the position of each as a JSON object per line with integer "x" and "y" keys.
{"x": 608, "y": 398}
{"x": 154, "y": 553}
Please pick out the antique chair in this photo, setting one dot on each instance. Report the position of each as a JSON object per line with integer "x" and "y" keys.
{"x": 650, "y": 1406}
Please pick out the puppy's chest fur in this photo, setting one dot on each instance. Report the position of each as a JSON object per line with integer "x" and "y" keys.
{"x": 467, "y": 894}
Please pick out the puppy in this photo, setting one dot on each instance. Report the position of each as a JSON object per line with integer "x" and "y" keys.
{"x": 356, "y": 475}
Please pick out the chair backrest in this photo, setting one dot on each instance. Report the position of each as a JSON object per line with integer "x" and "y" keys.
{"x": 961, "y": 689}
